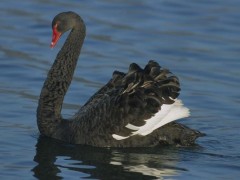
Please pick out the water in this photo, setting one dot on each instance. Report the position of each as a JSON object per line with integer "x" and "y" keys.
{"x": 198, "y": 40}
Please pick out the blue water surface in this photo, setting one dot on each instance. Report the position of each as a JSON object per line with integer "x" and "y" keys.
{"x": 198, "y": 40}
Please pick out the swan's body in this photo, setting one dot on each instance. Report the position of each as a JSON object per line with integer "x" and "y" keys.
{"x": 133, "y": 109}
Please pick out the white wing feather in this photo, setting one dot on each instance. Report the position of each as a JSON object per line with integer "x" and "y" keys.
{"x": 167, "y": 114}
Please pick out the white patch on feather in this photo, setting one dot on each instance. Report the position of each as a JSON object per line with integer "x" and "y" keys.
{"x": 132, "y": 127}
{"x": 117, "y": 137}
{"x": 167, "y": 114}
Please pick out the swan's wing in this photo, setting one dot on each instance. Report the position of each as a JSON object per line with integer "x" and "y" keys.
{"x": 135, "y": 103}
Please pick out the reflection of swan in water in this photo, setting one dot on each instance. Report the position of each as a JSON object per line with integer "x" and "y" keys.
{"x": 146, "y": 166}
{"x": 56, "y": 160}
{"x": 152, "y": 171}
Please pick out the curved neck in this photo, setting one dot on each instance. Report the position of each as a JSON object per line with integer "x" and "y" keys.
{"x": 58, "y": 80}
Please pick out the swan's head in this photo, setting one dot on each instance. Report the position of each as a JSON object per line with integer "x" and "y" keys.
{"x": 62, "y": 23}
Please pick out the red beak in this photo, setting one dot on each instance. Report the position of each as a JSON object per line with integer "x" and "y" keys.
{"x": 55, "y": 36}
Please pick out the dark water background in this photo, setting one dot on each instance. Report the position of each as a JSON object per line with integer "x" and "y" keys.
{"x": 198, "y": 40}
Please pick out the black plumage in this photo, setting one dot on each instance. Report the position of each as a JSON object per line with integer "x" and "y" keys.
{"x": 128, "y": 98}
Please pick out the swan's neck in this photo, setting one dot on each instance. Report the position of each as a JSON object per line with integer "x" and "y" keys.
{"x": 57, "y": 82}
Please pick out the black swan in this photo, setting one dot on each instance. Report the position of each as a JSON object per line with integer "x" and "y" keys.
{"x": 134, "y": 109}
